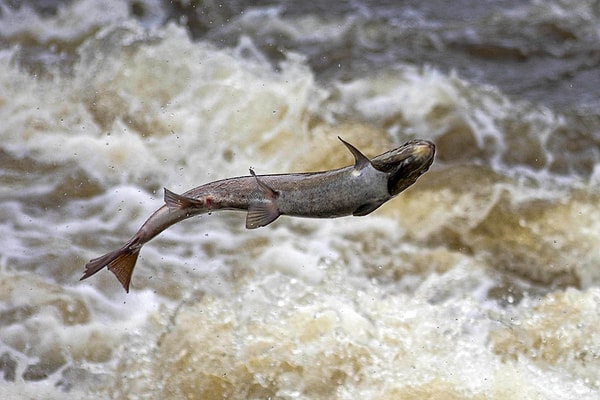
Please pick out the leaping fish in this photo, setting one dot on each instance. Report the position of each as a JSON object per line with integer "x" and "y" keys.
{"x": 356, "y": 190}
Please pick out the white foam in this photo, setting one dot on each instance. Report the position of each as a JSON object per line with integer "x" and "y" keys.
{"x": 355, "y": 307}
{"x": 73, "y": 20}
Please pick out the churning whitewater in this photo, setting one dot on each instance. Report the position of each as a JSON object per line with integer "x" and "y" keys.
{"x": 480, "y": 281}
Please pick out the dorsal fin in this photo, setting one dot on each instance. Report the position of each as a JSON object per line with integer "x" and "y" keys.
{"x": 269, "y": 192}
{"x": 360, "y": 160}
{"x": 174, "y": 200}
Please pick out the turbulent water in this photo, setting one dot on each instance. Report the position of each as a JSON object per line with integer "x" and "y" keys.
{"x": 482, "y": 281}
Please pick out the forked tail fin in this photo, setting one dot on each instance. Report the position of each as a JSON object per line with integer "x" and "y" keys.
{"x": 120, "y": 262}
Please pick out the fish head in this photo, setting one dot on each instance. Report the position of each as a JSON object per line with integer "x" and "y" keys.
{"x": 405, "y": 164}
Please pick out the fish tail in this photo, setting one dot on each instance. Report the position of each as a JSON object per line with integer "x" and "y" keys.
{"x": 120, "y": 262}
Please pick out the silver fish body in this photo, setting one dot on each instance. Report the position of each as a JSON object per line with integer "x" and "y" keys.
{"x": 354, "y": 190}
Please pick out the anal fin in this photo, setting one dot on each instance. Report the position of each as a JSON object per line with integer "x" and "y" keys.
{"x": 174, "y": 200}
{"x": 261, "y": 214}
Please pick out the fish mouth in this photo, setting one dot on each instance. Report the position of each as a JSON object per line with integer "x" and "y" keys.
{"x": 425, "y": 151}
{"x": 411, "y": 162}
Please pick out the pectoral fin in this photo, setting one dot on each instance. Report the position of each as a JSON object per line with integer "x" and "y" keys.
{"x": 262, "y": 211}
{"x": 366, "y": 209}
{"x": 360, "y": 160}
{"x": 261, "y": 214}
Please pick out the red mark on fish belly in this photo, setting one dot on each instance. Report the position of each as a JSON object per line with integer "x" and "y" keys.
{"x": 208, "y": 202}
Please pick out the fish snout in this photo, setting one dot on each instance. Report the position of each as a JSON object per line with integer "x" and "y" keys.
{"x": 424, "y": 151}
{"x": 419, "y": 157}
